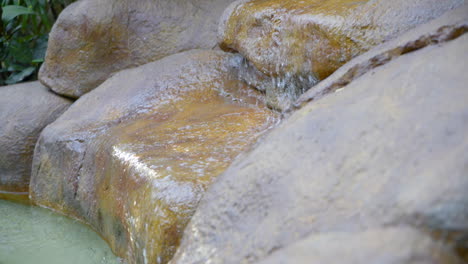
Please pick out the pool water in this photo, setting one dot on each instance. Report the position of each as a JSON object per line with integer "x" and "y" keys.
{"x": 32, "y": 235}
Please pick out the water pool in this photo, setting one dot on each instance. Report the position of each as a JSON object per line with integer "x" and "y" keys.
{"x": 32, "y": 235}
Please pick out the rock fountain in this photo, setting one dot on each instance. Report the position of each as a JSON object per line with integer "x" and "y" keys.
{"x": 305, "y": 124}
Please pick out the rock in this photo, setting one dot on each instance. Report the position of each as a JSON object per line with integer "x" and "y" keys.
{"x": 387, "y": 150}
{"x": 389, "y": 245}
{"x": 25, "y": 109}
{"x": 133, "y": 157}
{"x": 290, "y": 45}
{"x": 94, "y": 38}
{"x": 449, "y": 26}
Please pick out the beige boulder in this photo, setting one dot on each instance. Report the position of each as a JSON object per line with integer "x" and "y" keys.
{"x": 25, "y": 109}
{"x": 134, "y": 157}
{"x": 94, "y": 38}
{"x": 383, "y": 246}
{"x": 389, "y": 149}
{"x": 449, "y": 26}
{"x": 290, "y": 45}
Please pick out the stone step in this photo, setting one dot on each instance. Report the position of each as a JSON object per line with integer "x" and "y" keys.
{"x": 133, "y": 157}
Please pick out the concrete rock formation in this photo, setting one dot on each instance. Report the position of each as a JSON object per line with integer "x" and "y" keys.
{"x": 25, "y": 109}
{"x": 369, "y": 163}
{"x": 388, "y": 150}
{"x": 94, "y": 38}
{"x": 133, "y": 157}
{"x": 290, "y": 45}
{"x": 449, "y": 26}
{"x": 388, "y": 245}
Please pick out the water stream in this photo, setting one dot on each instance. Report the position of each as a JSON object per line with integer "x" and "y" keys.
{"x": 32, "y": 235}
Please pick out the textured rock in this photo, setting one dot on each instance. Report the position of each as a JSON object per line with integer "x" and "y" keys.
{"x": 290, "y": 45}
{"x": 385, "y": 246}
{"x": 388, "y": 150}
{"x": 94, "y": 38}
{"x": 449, "y": 26}
{"x": 133, "y": 157}
{"x": 25, "y": 109}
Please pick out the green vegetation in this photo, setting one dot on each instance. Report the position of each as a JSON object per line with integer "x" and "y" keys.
{"x": 24, "y": 27}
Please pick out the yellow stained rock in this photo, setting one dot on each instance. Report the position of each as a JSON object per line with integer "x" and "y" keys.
{"x": 291, "y": 37}
{"x": 155, "y": 169}
{"x": 134, "y": 157}
{"x": 294, "y": 44}
{"x": 93, "y": 39}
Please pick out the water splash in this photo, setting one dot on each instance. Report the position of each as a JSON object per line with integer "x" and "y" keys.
{"x": 281, "y": 89}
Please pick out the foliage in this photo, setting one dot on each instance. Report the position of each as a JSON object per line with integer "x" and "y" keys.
{"x": 24, "y": 27}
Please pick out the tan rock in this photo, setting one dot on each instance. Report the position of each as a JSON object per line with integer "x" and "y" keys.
{"x": 389, "y": 149}
{"x": 25, "y": 109}
{"x": 290, "y": 45}
{"x": 94, "y": 38}
{"x": 449, "y": 26}
{"x": 133, "y": 157}
{"x": 384, "y": 246}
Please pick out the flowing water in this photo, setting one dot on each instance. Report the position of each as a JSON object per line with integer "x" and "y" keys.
{"x": 32, "y": 235}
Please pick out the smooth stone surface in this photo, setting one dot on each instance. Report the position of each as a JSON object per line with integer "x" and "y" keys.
{"x": 35, "y": 235}
{"x": 25, "y": 109}
{"x": 134, "y": 157}
{"x": 388, "y": 150}
{"x": 290, "y": 45}
{"x": 449, "y": 26}
{"x": 92, "y": 39}
{"x": 383, "y": 246}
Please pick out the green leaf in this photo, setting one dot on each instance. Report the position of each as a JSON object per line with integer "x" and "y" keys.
{"x": 15, "y": 67}
{"x": 12, "y": 11}
{"x": 18, "y": 77}
{"x": 20, "y": 51}
{"x": 30, "y": 3}
{"x": 23, "y": 38}
{"x": 40, "y": 48}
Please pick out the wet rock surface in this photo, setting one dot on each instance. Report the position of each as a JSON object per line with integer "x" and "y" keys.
{"x": 93, "y": 39}
{"x": 290, "y": 45}
{"x": 369, "y": 166}
{"x": 25, "y": 109}
{"x": 449, "y": 26}
{"x": 133, "y": 157}
{"x": 388, "y": 150}
{"x": 388, "y": 245}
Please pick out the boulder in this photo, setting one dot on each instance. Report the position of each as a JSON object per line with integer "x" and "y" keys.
{"x": 447, "y": 27}
{"x": 94, "y": 38}
{"x": 387, "y": 245}
{"x": 25, "y": 109}
{"x": 389, "y": 149}
{"x": 133, "y": 157}
{"x": 290, "y": 45}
